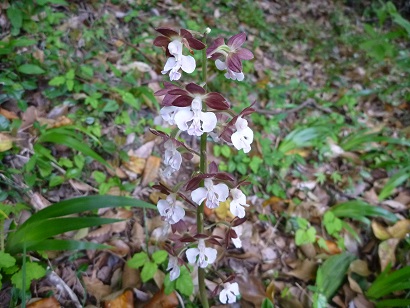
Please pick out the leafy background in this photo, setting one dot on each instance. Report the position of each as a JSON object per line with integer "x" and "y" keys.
{"x": 329, "y": 168}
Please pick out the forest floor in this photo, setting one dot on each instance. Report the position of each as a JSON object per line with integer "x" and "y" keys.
{"x": 329, "y": 168}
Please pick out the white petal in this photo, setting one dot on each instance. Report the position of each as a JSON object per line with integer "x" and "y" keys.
{"x": 168, "y": 114}
{"x": 188, "y": 64}
{"x": 222, "y": 191}
{"x": 171, "y": 62}
{"x": 223, "y": 296}
{"x": 220, "y": 65}
{"x": 240, "y": 76}
{"x": 162, "y": 206}
{"x": 211, "y": 254}
{"x": 182, "y": 117}
{"x": 174, "y": 74}
{"x": 236, "y": 209}
{"x": 237, "y": 242}
{"x": 174, "y": 274}
{"x": 178, "y": 214}
{"x": 192, "y": 254}
{"x": 199, "y": 195}
{"x": 175, "y": 48}
{"x": 208, "y": 121}
{"x": 234, "y": 288}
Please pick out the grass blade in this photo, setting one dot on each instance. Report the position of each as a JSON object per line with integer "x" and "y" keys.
{"x": 67, "y": 245}
{"x": 359, "y": 210}
{"x": 396, "y": 180}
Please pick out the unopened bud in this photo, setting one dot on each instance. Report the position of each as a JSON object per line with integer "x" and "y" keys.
{"x": 207, "y": 30}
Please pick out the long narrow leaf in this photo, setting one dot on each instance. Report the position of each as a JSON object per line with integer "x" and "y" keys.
{"x": 88, "y": 203}
{"x": 359, "y": 210}
{"x": 35, "y": 233}
{"x": 396, "y": 180}
{"x": 387, "y": 283}
{"x": 71, "y": 142}
{"x": 393, "y": 303}
{"x": 67, "y": 245}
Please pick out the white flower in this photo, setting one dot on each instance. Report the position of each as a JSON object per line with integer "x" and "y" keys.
{"x": 168, "y": 114}
{"x": 238, "y": 202}
{"x": 220, "y": 65}
{"x": 172, "y": 159}
{"x": 201, "y": 255}
{"x": 212, "y": 193}
{"x": 173, "y": 266}
{"x": 168, "y": 208}
{"x": 229, "y": 293}
{"x": 237, "y": 241}
{"x": 178, "y": 61}
{"x": 243, "y": 136}
{"x": 202, "y": 122}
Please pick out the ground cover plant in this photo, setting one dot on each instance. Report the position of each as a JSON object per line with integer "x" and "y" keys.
{"x": 110, "y": 163}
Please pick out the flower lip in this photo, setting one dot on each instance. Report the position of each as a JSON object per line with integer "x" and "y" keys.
{"x": 184, "y": 36}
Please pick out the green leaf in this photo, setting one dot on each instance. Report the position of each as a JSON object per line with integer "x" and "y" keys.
{"x": 87, "y": 70}
{"x": 15, "y": 16}
{"x": 66, "y": 245}
{"x": 138, "y": 260}
{"x": 130, "y": 100}
{"x": 36, "y": 226}
{"x": 267, "y": 303}
{"x": 169, "y": 286}
{"x": 184, "y": 283}
{"x": 396, "y": 180}
{"x": 332, "y": 272}
{"x": 99, "y": 176}
{"x": 70, "y": 74}
{"x": 23, "y": 42}
{"x": 148, "y": 271}
{"x": 6, "y": 260}
{"x": 33, "y": 271}
{"x": 55, "y": 136}
{"x": 56, "y": 180}
{"x": 30, "y": 69}
{"x": 393, "y": 303}
{"x": 159, "y": 256}
{"x": 359, "y": 210}
{"x": 388, "y": 282}
{"x": 57, "y": 81}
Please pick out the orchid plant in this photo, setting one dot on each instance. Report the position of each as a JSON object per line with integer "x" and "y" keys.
{"x": 198, "y": 112}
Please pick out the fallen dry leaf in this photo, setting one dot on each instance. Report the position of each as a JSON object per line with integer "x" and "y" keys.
{"x": 305, "y": 270}
{"x": 50, "y": 302}
{"x": 223, "y": 212}
{"x": 151, "y": 170}
{"x": 160, "y": 299}
{"x": 96, "y": 288}
{"x": 6, "y": 142}
{"x": 124, "y": 300}
{"x": 399, "y": 230}
{"x": 387, "y": 252}
{"x": 135, "y": 164}
{"x": 252, "y": 289}
{"x": 9, "y": 115}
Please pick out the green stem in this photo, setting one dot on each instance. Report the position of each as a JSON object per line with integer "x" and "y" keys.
{"x": 202, "y": 165}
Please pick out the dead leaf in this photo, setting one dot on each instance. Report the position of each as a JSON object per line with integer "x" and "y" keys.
{"x": 387, "y": 252}
{"x": 270, "y": 291}
{"x": 50, "y": 302}
{"x": 9, "y": 115}
{"x": 131, "y": 277}
{"x": 252, "y": 289}
{"x": 380, "y": 231}
{"x": 305, "y": 270}
{"x": 6, "y": 142}
{"x": 151, "y": 170}
{"x": 160, "y": 299}
{"x": 360, "y": 267}
{"x": 124, "y": 300}
{"x": 135, "y": 164}
{"x": 96, "y": 288}
{"x": 400, "y": 229}
{"x": 39, "y": 202}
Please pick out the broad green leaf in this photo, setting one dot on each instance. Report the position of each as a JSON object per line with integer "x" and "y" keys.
{"x": 138, "y": 260}
{"x": 148, "y": 271}
{"x": 33, "y": 271}
{"x": 159, "y": 256}
{"x": 56, "y": 180}
{"x": 15, "y": 16}
{"x": 70, "y": 74}
{"x": 57, "y": 81}
{"x": 23, "y": 42}
{"x": 359, "y": 210}
{"x": 184, "y": 283}
{"x": 6, "y": 260}
{"x": 267, "y": 303}
{"x": 99, "y": 176}
{"x": 169, "y": 286}
{"x": 332, "y": 272}
{"x": 30, "y": 69}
